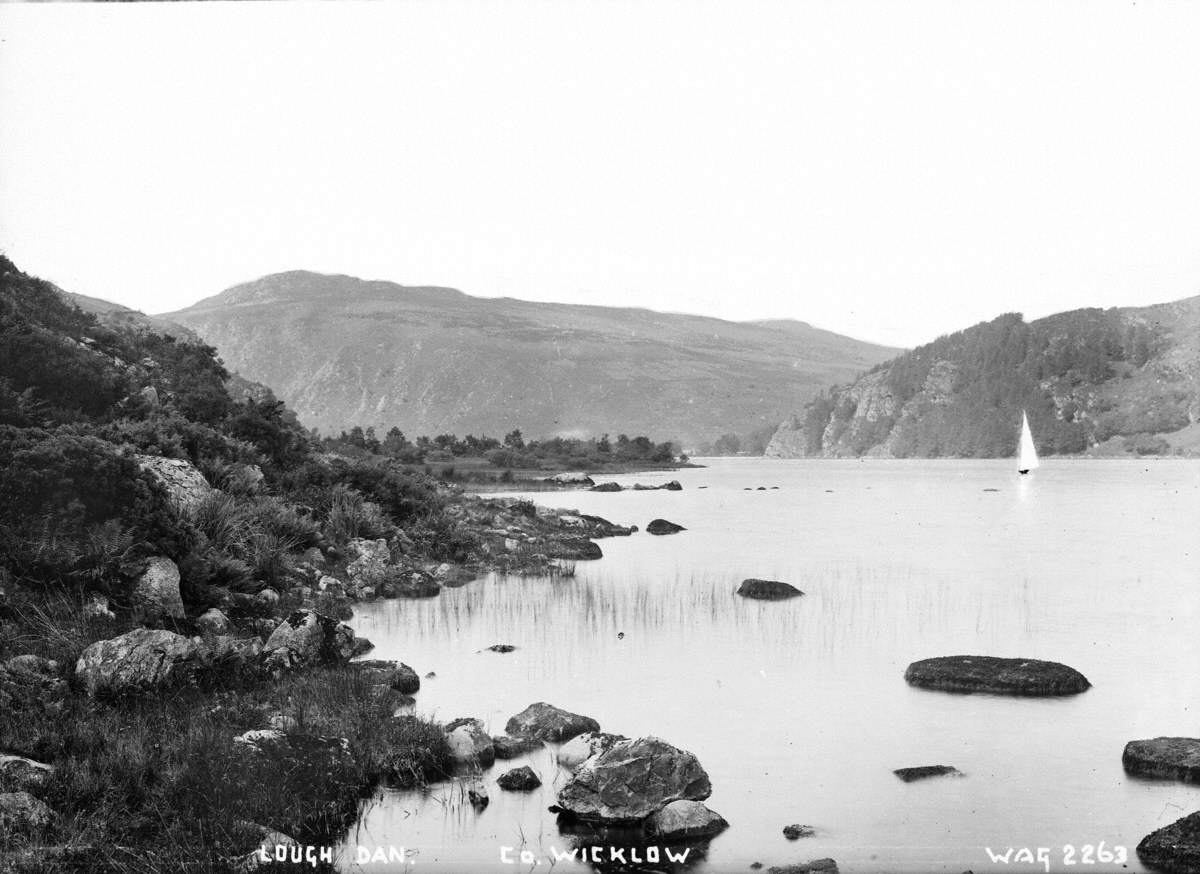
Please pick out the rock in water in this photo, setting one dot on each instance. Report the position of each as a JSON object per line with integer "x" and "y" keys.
{"x": 662, "y": 526}
{"x": 795, "y": 831}
{"x": 547, "y": 722}
{"x": 579, "y": 749}
{"x": 469, "y": 743}
{"x": 570, "y": 479}
{"x": 607, "y": 487}
{"x": 137, "y": 661}
{"x": 767, "y": 590}
{"x": 1175, "y": 848}
{"x": 996, "y": 675}
{"x": 817, "y": 866}
{"x": 510, "y": 747}
{"x": 519, "y": 780}
{"x": 685, "y": 819}
{"x": 921, "y": 772}
{"x": 1171, "y": 758}
{"x": 631, "y": 781}
{"x": 395, "y": 675}
{"x": 156, "y": 591}
{"x": 573, "y": 549}
{"x": 308, "y": 638}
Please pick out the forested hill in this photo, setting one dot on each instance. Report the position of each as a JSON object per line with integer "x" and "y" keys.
{"x": 1111, "y": 382}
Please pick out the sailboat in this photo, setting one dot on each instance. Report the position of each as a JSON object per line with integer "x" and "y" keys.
{"x": 1027, "y": 458}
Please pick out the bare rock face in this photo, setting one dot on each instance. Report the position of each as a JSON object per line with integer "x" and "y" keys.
{"x": 156, "y": 590}
{"x": 579, "y": 749}
{"x": 768, "y": 590}
{"x": 685, "y": 819}
{"x": 370, "y": 567}
{"x": 469, "y": 743}
{"x": 547, "y": 722}
{"x": 308, "y": 638}
{"x": 19, "y": 774}
{"x": 1175, "y": 848}
{"x": 998, "y": 676}
{"x": 185, "y": 485}
{"x": 633, "y": 780}
{"x": 1171, "y": 758}
{"x": 137, "y": 661}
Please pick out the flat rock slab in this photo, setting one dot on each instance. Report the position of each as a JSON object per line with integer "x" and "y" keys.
{"x": 1175, "y": 848}
{"x": 768, "y": 590}
{"x": 1171, "y": 758}
{"x": 823, "y": 866}
{"x": 924, "y": 772}
{"x": 996, "y": 675}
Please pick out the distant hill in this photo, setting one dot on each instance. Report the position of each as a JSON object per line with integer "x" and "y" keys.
{"x": 114, "y": 315}
{"x": 1107, "y": 382}
{"x": 343, "y": 351}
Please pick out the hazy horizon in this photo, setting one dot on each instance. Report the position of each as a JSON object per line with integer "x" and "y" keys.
{"x": 886, "y": 172}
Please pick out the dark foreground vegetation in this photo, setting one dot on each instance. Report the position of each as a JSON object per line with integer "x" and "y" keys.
{"x": 214, "y": 544}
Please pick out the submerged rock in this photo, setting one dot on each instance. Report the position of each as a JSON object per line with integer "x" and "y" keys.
{"x": 519, "y": 780}
{"x": 795, "y": 831}
{"x": 767, "y": 590}
{"x": 632, "y": 780}
{"x": 1175, "y": 848}
{"x": 662, "y": 526}
{"x": 137, "y": 661}
{"x": 1171, "y": 758}
{"x": 510, "y": 747}
{"x": 999, "y": 676}
{"x": 922, "y": 772}
{"x": 547, "y": 722}
{"x": 817, "y": 866}
{"x": 685, "y": 819}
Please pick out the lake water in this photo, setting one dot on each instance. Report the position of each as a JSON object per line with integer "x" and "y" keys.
{"x": 798, "y": 710}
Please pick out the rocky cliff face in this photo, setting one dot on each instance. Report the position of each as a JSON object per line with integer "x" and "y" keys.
{"x": 342, "y": 351}
{"x": 1111, "y": 382}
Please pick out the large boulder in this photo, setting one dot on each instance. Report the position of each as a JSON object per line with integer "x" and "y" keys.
{"x": 137, "y": 661}
{"x": 18, "y": 774}
{"x": 572, "y": 548}
{"x": 469, "y": 743}
{"x": 1171, "y": 758}
{"x": 547, "y": 722}
{"x": 996, "y": 675}
{"x": 22, "y": 816}
{"x": 685, "y": 819}
{"x": 184, "y": 484}
{"x": 633, "y": 780}
{"x": 767, "y": 590}
{"x": 371, "y": 566}
{"x": 579, "y": 749}
{"x": 306, "y": 638}
{"x": 510, "y": 747}
{"x": 662, "y": 526}
{"x": 156, "y": 590}
{"x": 570, "y": 479}
{"x": 394, "y": 675}
{"x": 1175, "y": 848}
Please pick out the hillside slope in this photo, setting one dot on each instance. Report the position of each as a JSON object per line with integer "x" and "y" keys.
{"x": 1109, "y": 382}
{"x": 343, "y": 351}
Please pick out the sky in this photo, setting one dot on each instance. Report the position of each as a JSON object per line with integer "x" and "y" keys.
{"x": 891, "y": 171}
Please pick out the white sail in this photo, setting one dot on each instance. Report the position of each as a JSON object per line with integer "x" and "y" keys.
{"x": 1027, "y": 457}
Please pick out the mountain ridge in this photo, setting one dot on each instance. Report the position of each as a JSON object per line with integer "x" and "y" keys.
{"x": 344, "y": 351}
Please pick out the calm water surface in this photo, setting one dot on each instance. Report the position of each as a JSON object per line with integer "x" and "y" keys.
{"x": 798, "y": 710}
